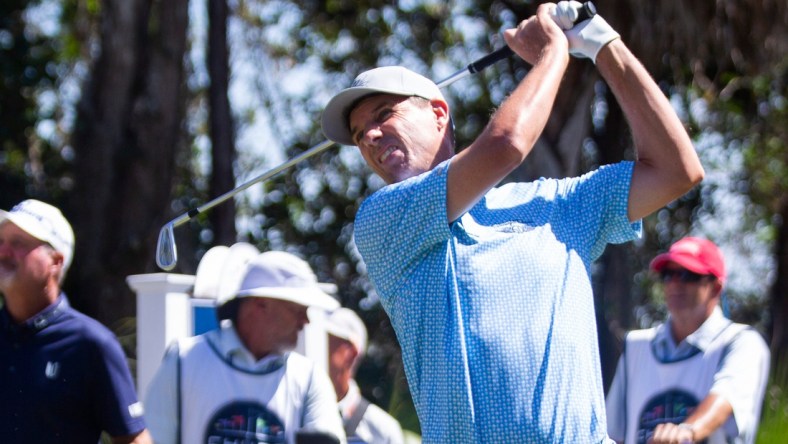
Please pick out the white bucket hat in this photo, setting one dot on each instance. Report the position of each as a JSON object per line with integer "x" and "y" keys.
{"x": 344, "y": 323}
{"x": 45, "y": 223}
{"x": 385, "y": 80}
{"x": 281, "y": 275}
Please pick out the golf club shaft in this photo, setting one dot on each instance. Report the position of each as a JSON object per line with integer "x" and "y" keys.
{"x": 166, "y": 253}
{"x": 585, "y": 12}
{"x": 319, "y": 148}
{"x": 185, "y": 217}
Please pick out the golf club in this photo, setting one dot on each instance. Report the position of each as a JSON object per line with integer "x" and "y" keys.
{"x": 166, "y": 252}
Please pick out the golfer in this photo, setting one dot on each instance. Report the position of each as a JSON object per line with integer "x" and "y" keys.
{"x": 489, "y": 289}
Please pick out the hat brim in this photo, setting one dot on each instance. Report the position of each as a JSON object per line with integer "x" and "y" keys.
{"x": 334, "y": 120}
{"x": 25, "y": 223}
{"x": 305, "y": 296}
{"x": 690, "y": 263}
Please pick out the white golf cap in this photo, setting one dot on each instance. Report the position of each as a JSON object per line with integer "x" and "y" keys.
{"x": 45, "y": 223}
{"x": 281, "y": 275}
{"x": 385, "y": 80}
{"x": 344, "y": 323}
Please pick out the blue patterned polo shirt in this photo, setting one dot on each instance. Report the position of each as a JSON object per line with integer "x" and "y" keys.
{"x": 494, "y": 312}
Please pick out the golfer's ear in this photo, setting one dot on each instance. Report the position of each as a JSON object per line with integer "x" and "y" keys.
{"x": 441, "y": 110}
{"x": 58, "y": 258}
{"x": 352, "y": 354}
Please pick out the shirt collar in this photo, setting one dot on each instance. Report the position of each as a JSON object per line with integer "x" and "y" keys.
{"x": 353, "y": 396}
{"x": 699, "y": 340}
{"x": 710, "y": 329}
{"x": 226, "y": 341}
{"x": 48, "y": 315}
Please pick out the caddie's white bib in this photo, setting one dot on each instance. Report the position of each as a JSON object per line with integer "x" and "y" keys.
{"x": 659, "y": 392}
{"x": 222, "y": 403}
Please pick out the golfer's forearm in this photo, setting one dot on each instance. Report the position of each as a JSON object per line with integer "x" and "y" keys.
{"x": 667, "y": 165}
{"x": 507, "y": 139}
{"x": 522, "y": 117}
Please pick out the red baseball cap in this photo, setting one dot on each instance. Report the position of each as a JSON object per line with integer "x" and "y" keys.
{"x": 696, "y": 255}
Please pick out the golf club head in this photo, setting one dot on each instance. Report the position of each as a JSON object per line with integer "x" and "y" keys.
{"x": 166, "y": 254}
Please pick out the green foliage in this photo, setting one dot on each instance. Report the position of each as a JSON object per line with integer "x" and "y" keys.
{"x": 774, "y": 417}
{"x": 764, "y": 135}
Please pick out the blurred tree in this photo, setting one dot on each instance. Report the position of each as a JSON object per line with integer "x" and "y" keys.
{"x": 727, "y": 58}
{"x": 221, "y": 123}
{"x": 127, "y": 135}
{"x": 29, "y": 166}
{"x": 130, "y": 163}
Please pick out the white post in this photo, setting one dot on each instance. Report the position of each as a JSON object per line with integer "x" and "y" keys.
{"x": 313, "y": 339}
{"x": 163, "y": 315}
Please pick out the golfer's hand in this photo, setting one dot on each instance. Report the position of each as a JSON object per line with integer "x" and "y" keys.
{"x": 565, "y": 13}
{"x": 587, "y": 38}
{"x": 536, "y": 35}
{"x": 672, "y": 434}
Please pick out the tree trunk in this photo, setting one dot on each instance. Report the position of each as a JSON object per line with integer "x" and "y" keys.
{"x": 779, "y": 299}
{"x": 221, "y": 123}
{"x": 127, "y": 134}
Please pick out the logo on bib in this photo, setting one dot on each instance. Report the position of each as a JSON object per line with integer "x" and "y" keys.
{"x": 245, "y": 422}
{"x": 672, "y": 406}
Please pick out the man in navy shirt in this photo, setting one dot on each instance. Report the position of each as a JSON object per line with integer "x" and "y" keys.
{"x": 63, "y": 375}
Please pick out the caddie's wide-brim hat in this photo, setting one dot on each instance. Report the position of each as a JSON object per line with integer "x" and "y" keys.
{"x": 284, "y": 276}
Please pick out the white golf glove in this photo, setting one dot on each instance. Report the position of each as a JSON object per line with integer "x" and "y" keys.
{"x": 565, "y": 14}
{"x": 587, "y": 38}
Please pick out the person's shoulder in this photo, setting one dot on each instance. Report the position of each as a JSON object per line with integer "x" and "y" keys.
{"x": 381, "y": 416}
{"x": 645, "y": 334}
{"x": 401, "y": 191}
{"x": 643, "y": 331}
{"x": 381, "y": 422}
{"x": 297, "y": 360}
{"x": 86, "y": 326}
{"x": 187, "y": 344}
{"x": 749, "y": 334}
{"x": 610, "y": 171}
{"x": 89, "y": 335}
{"x": 303, "y": 373}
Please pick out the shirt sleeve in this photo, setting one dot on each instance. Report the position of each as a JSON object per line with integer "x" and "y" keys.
{"x": 161, "y": 400}
{"x": 598, "y": 206}
{"x": 399, "y": 224}
{"x": 118, "y": 409}
{"x": 321, "y": 412}
{"x": 615, "y": 405}
{"x": 741, "y": 380}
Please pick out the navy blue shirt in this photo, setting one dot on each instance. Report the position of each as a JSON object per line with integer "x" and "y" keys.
{"x": 63, "y": 379}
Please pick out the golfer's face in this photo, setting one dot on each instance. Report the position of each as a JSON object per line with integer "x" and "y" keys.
{"x": 398, "y": 137}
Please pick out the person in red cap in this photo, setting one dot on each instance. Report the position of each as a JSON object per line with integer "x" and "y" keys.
{"x": 698, "y": 376}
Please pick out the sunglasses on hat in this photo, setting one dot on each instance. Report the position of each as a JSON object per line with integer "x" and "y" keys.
{"x": 683, "y": 275}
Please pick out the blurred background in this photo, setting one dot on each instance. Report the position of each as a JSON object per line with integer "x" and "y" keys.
{"x": 127, "y": 113}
